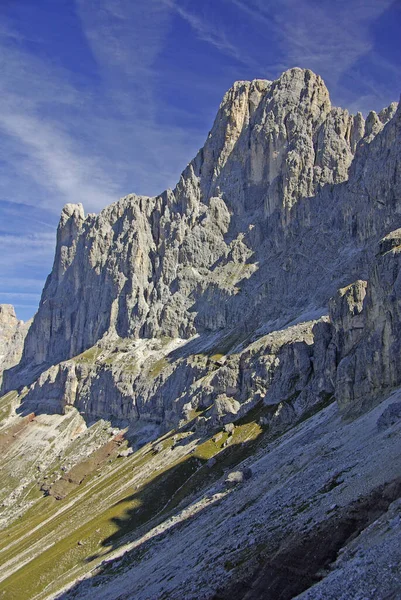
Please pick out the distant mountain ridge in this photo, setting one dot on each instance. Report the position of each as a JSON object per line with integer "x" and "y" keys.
{"x": 12, "y": 335}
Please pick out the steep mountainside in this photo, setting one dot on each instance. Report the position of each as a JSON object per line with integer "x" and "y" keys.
{"x": 216, "y": 370}
{"x": 189, "y": 261}
{"x": 258, "y": 231}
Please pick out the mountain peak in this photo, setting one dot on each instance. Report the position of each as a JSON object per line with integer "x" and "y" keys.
{"x": 147, "y": 267}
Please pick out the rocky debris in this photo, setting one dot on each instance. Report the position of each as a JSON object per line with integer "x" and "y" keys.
{"x": 236, "y": 477}
{"x": 125, "y": 453}
{"x": 302, "y": 560}
{"x": 224, "y": 409}
{"x": 390, "y": 416}
{"x": 367, "y": 566}
{"x": 157, "y": 448}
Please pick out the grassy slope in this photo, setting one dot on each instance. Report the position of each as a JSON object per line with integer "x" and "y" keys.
{"x": 58, "y": 540}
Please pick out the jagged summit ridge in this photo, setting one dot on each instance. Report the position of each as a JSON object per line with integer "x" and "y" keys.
{"x": 283, "y": 140}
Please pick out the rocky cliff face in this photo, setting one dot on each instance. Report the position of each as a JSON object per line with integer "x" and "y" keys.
{"x": 284, "y": 204}
{"x": 367, "y": 322}
{"x": 12, "y": 336}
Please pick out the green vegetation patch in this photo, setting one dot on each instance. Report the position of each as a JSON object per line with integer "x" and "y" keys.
{"x": 158, "y": 367}
{"x": 89, "y": 356}
{"x": 60, "y": 540}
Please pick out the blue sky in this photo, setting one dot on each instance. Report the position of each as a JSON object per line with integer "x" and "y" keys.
{"x": 100, "y": 98}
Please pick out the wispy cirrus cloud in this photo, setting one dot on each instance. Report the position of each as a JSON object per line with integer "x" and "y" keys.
{"x": 95, "y": 143}
{"x": 125, "y": 39}
{"x": 329, "y": 39}
{"x": 213, "y": 34}
{"x": 35, "y": 147}
{"x": 54, "y": 161}
{"x": 29, "y": 247}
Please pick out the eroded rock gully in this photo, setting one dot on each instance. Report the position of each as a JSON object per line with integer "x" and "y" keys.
{"x": 303, "y": 560}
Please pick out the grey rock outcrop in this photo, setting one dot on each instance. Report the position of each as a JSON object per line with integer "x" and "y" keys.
{"x": 12, "y": 336}
{"x": 367, "y": 321}
{"x": 237, "y": 477}
{"x": 290, "y": 371}
{"x": 390, "y": 416}
{"x": 355, "y": 353}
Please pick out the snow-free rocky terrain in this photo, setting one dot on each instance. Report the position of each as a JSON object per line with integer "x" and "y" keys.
{"x": 208, "y": 401}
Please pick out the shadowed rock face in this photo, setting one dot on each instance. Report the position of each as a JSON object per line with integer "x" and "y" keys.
{"x": 368, "y": 329}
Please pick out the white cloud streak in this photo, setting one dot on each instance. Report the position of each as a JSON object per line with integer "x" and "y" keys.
{"x": 44, "y": 153}
{"x": 108, "y": 142}
{"x": 17, "y": 251}
{"x": 211, "y": 33}
{"x": 52, "y": 161}
{"x": 325, "y": 37}
{"x": 125, "y": 39}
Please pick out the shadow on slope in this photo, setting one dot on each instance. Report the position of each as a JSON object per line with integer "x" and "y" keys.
{"x": 79, "y": 530}
{"x": 181, "y": 484}
{"x": 301, "y": 561}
